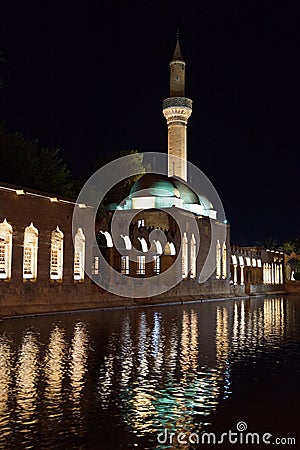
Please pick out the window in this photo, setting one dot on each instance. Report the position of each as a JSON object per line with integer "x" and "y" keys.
{"x": 141, "y": 265}
{"x": 184, "y": 249}
{"x": 218, "y": 260}
{"x": 5, "y": 250}
{"x": 79, "y": 255}
{"x": 156, "y": 264}
{"x": 95, "y": 265}
{"x": 224, "y": 261}
{"x": 193, "y": 257}
{"x": 125, "y": 265}
{"x": 141, "y": 223}
{"x": 30, "y": 253}
{"x": 56, "y": 256}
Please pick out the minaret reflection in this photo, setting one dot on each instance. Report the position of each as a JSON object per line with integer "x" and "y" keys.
{"x": 27, "y": 373}
{"x": 126, "y": 352}
{"x": 171, "y": 351}
{"x": 157, "y": 344}
{"x": 78, "y": 364}
{"x": 5, "y": 382}
{"x": 54, "y": 363}
{"x": 142, "y": 410}
{"x": 143, "y": 345}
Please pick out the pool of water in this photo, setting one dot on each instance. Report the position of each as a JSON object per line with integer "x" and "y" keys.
{"x": 120, "y": 379}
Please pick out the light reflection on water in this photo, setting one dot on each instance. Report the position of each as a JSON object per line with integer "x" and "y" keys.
{"x": 112, "y": 379}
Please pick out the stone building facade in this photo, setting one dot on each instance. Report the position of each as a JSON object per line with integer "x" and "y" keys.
{"x": 40, "y": 268}
{"x": 257, "y": 269}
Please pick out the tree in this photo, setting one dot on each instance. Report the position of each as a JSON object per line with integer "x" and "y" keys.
{"x": 290, "y": 246}
{"x": 269, "y": 243}
{"x": 122, "y": 189}
{"x": 26, "y": 163}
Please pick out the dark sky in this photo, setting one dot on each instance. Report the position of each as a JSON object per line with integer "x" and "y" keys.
{"x": 89, "y": 78}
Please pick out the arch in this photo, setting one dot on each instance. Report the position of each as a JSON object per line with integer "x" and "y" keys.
{"x": 218, "y": 260}
{"x": 143, "y": 244}
{"x": 234, "y": 260}
{"x": 79, "y": 255}
{"x": 5, "y": 250}
{"x": 127, "y": 242}
{"x": 109, "y": 241}
{"x": 158, "y": 247}
{"x": 56, "y": 255}
{"x": 224, "y": 261}
{"x": 30, "y": 252}
{"x": 259, "y": 263}
{"x": 170, "y": 249}
{"x": 241, "y": 261}
{"x": 184, "y": 256}
{"x": 193, "y": 270}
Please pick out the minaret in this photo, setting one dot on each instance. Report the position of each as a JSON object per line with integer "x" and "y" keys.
{"x": 177, "y": 110}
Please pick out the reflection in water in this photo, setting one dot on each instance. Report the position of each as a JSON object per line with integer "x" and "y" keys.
{"x": 222, "y": 349}
{"x": 5, "y": 382}
{"x": 78, "y": 364}
{"x": 27, "y": 373}
{"x": 153, "y": 369}
{"x": 54, "y": 368}
{"x": 273, "y": 314}
{"x": 264, "y": 325}
{"x": 105, "y": 384}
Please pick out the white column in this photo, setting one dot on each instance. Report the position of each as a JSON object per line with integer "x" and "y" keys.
{"x": 242, "y": 276}
{"x": 281, "y": 274}
{"x": 235, "y": 274}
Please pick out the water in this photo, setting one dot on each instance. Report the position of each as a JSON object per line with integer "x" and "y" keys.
{"x": 116, "y": 379}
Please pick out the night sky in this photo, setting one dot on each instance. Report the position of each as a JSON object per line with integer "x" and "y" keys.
{"x": 90, "y": 77}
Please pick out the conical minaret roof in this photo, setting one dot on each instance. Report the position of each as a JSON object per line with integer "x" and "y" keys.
{"x": 177, "y": 53}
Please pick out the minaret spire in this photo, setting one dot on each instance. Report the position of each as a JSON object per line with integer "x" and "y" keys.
{"x": 177, "y": 110}
{"x": 177, "y": 52}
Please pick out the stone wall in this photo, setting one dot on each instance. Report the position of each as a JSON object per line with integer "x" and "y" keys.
{"x": 20, "y": 208}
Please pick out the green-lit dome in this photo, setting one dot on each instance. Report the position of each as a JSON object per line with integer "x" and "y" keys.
{"x": 155, "y": 185}
{"x": 160, "y": 191}
{"x": 186, "y": 193}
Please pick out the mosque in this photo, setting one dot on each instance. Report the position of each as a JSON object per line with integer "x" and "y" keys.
{"x": 44, "y": 262}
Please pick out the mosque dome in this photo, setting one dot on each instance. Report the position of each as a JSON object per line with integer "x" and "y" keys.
{"x": 186, "y": 193}
{"x": 152, "y": 184}
{"x": 160, "y": 191}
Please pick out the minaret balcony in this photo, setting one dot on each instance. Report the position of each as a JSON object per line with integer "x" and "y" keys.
{"x": 177, "y": 101}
